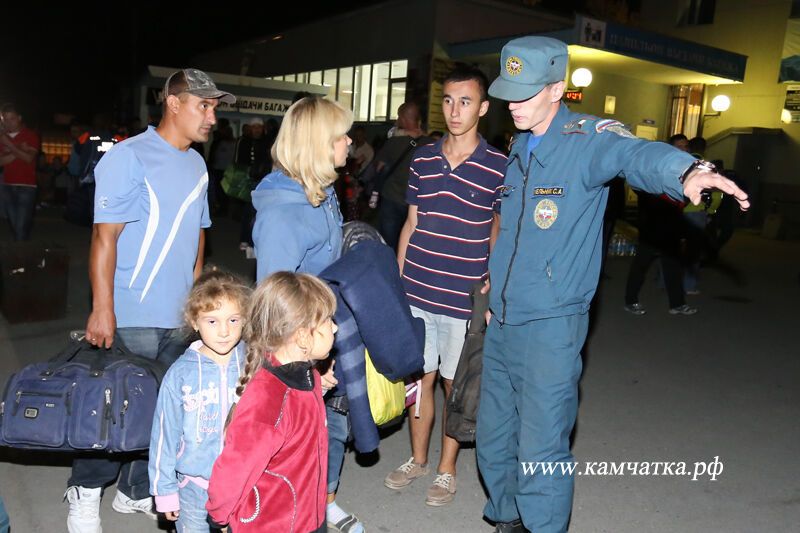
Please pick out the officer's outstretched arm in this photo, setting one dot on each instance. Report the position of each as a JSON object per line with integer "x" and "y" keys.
{"x": 653, "y": 167}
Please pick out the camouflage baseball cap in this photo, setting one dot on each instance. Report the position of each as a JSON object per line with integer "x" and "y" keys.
{"x": 196, "y": 82}
{"x": 528, "y": 64}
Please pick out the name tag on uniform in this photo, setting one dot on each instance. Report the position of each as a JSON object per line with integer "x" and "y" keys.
{"x": 548, "y": 191}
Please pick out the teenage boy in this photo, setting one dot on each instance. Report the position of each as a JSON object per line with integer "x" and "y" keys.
{"x": 453, "y": 216}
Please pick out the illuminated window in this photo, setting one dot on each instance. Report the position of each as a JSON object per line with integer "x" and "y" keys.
{"x": 379, "y": 99}
{"x": 361, "y": 93}
{"x": 344, "y": 94}
{"x": 396, "y": 98}
{"x": 329, "y": 81}
{"x": 399, "y": 69}
{"x": 373, "y": 92}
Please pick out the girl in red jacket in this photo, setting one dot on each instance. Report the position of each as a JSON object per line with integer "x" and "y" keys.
{"x": 271, "y": 475}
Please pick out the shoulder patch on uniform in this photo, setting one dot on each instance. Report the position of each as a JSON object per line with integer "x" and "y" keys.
{"x": 614, "y": 126}
{"x": 575, "y": 126}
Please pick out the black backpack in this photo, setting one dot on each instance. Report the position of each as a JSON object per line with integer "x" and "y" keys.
{"x": 462, "y": 404}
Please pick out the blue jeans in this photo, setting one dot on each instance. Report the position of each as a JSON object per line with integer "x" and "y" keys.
{"x": 91, "y": 472}
{"x": 19, "y": 202}
{"x": 4, "y": 521}
{"x": 338, "y": 435}
{"x": 529, "y": 401}
{"x": 193, "y": 515}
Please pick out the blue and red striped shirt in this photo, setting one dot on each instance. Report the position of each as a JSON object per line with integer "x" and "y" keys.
{"x": 449, "y": 249}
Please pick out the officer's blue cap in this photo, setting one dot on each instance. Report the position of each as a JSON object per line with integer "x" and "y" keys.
{"x": 528, "y": 64}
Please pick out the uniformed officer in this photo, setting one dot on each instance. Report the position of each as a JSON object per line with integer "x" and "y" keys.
{"x": 544, "y": 270}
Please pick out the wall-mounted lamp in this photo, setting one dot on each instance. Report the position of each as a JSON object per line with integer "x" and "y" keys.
{"x": 719, "y": 104}
{"x": 786, "y": 116}
{"x": 581, "y": 77}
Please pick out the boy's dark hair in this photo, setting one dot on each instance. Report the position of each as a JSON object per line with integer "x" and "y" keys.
{"x": 9, "y": 108}
{"x": 468, "y": 72}
{"x": 697, "y": 145}
{"x": 677, "y": 137}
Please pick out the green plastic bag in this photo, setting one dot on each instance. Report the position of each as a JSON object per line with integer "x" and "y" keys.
{"x": 237, "y": 183}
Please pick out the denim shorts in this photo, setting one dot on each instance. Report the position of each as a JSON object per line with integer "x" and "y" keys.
{"x": 444, "y": 338}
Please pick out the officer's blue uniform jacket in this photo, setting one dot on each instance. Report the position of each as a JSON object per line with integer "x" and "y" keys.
{"x": 546, "y": 261}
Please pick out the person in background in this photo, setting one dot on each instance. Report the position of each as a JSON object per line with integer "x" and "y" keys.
{"x": 253, "y": 153}
{"x": 391, "y": 166}
{"x": 360, "y": 150}
{"x": 221, "y": 155}
{"x": 19, "y": 147}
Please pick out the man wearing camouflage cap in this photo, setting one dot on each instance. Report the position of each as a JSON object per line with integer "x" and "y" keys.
{"x": 544, "y": 270}
{"x": 147, "y": 248}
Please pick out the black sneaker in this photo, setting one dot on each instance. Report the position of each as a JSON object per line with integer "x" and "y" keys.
{"x": 636, "y": 309}
{"x": 684, "y": 309}
{"x": 510, "y": 527}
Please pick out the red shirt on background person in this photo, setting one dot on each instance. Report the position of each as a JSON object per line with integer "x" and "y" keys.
{"x": 16, "y": 142}
{"x": 18, "y": 149}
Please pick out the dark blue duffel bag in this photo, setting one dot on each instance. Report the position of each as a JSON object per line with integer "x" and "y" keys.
{"x": 85, "y": 398}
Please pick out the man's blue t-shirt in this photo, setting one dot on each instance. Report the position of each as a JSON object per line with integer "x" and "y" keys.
{"x": 159, "y": 193}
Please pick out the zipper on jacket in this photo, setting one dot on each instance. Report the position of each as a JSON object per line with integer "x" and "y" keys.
{"x": 319, "y": 457}
{"x": 516, "y": 239}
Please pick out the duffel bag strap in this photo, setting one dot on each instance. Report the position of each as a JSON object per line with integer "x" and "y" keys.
{"x": 67, "y": 354}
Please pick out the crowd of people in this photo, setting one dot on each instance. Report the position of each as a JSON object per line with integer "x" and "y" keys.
{"x": 248, "y": 431}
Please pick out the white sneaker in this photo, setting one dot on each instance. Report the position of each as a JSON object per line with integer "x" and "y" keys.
{"x": 123, "y": 504}
{"x": 84, "y": 510}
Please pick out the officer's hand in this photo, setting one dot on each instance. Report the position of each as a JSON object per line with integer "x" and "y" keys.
{"x": 700, "y": 179}
{"x": 100, "y": 328}
{"x": 487, "y": 286}
{"x": 485, "y": 290}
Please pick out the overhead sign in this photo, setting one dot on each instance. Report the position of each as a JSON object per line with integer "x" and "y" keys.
{"x": 660, "y": 48}
{"x": 257, "y": 106}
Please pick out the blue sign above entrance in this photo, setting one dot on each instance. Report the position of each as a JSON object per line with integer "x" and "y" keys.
{"x": 640, "y": 44}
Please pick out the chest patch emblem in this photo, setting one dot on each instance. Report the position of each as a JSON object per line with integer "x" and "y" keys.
{"x": 545, "y": 213}
{"x": 513, "y": 65}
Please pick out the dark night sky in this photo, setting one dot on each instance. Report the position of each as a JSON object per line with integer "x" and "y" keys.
{"x": 74, "y": 57}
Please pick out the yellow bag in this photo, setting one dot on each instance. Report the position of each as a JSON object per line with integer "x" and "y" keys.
{"x": 387, "y": 399}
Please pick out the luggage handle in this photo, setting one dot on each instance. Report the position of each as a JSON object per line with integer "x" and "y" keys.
{"x": 78, "y": 345}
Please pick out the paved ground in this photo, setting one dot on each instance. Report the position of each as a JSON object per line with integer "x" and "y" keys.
{"x": 724, "y": 383}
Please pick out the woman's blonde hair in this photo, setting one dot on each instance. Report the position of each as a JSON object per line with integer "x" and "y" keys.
{"x": 281, "y": 305}
{"x": 303, "y": 149}
{"x": 210, "y": 289}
